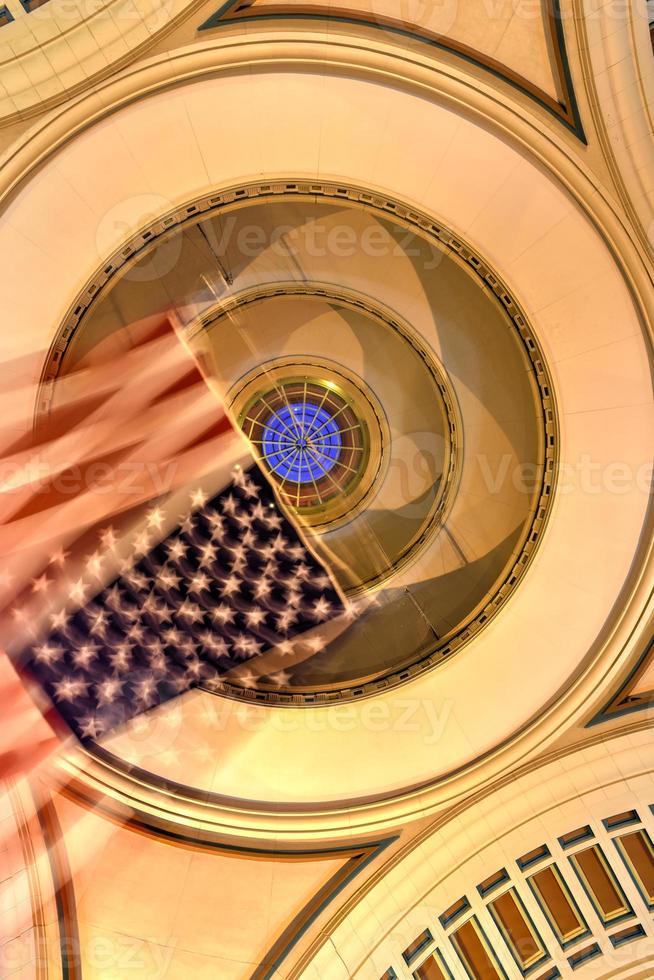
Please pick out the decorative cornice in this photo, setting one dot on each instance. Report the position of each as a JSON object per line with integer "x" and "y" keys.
{"x": 199, "y": 833}
{"x": 404, "y": 69}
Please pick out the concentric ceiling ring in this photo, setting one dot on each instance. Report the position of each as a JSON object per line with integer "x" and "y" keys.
{"x": 441, "y": 640}
{"x": 585, "y": 675}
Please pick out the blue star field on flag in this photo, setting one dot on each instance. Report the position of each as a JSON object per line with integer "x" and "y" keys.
{"x": 232, "y": 580}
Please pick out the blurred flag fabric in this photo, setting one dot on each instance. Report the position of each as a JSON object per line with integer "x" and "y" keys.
{"x": 232, "y": 581}
{"x": 145, "y": 551}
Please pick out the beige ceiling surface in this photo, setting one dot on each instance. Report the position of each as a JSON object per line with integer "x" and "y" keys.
{"x": 63, "y": 225}
{"x": 475, "y": 733}
{"x": 158, "y": 909}
{"x": 52, "y": 52}
{"x": 515, "y": 35}
{"x": 65, "y": 46}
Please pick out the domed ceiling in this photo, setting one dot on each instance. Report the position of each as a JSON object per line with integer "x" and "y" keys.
{"x": 395, "y": 397}
{"x": 465, "y": 310}
{"x": 378, "y": 639}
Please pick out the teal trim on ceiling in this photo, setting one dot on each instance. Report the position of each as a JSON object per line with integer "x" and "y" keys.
{"x": 568, "y": 112}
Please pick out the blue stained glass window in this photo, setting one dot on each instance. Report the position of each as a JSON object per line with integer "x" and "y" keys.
{"x": 301, "y": 442}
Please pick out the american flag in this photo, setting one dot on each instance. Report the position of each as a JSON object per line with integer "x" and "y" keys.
{"x": 120, "y": 603}
{"x": 231, "y": 581}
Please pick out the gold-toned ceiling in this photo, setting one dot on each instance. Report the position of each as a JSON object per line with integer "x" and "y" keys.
{"x": 525, "y": 47}
{"x": 286, "y": 817}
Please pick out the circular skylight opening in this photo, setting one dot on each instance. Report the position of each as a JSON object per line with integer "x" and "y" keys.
{"x": 302, "y": 441}
{"x": 311, "y": 437}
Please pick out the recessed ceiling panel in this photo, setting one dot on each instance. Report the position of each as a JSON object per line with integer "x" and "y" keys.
{"x": 523, "y": 43}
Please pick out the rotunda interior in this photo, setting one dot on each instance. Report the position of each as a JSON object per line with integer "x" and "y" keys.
{"x": 326, "y": 526}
